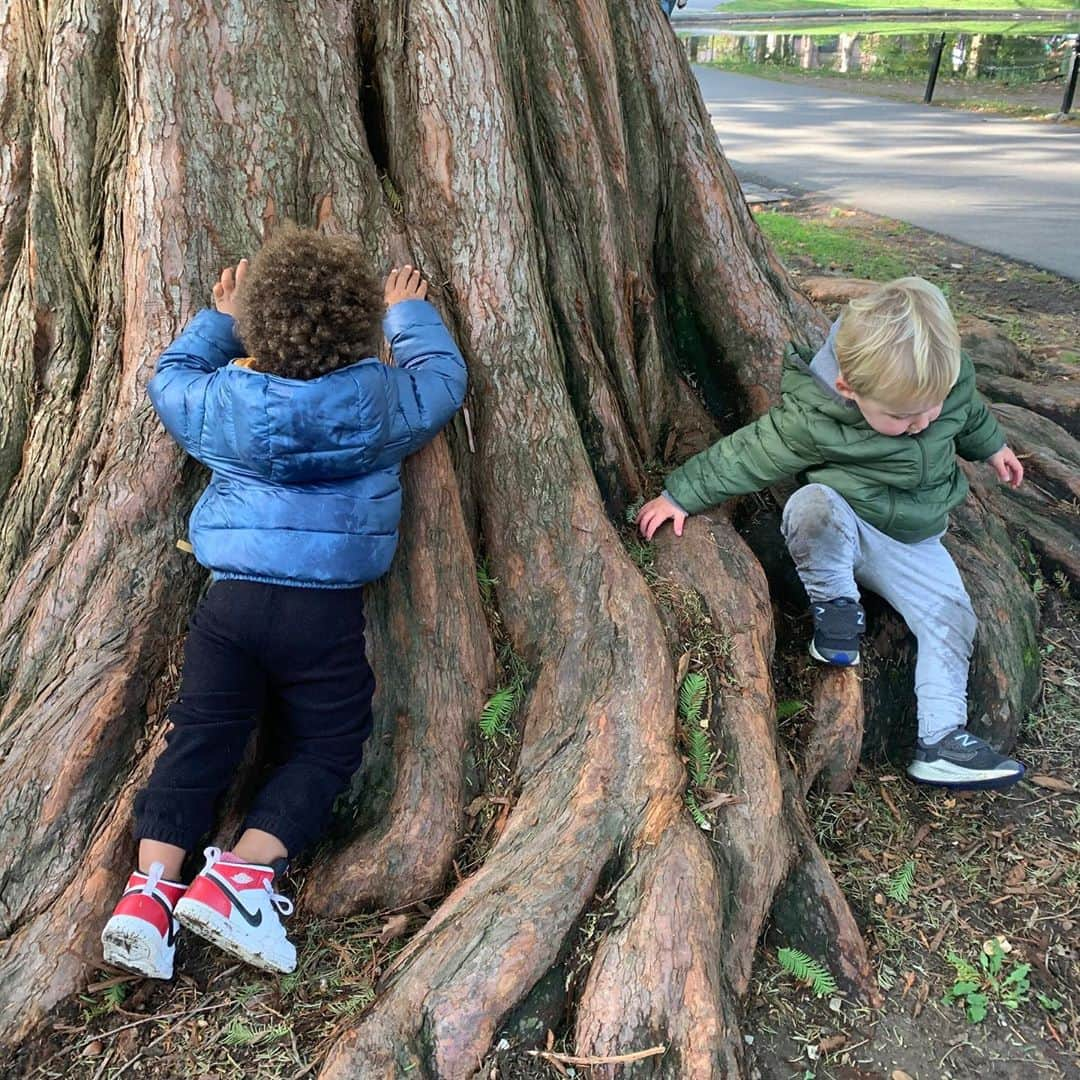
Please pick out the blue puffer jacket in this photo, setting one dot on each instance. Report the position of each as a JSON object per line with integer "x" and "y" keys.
{"x": 305, "y": 488}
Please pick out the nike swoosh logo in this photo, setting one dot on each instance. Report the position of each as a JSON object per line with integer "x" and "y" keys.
{"x": 251, "y": 919}
{"x": 170, "y": 934}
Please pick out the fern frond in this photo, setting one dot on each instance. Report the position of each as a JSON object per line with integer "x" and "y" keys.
{"x": 700, "y": 820}
{"x": 240, "y": 1034}
{"x": 485, "y": 582}
{"x": 899, "y": 886}
{"x": 700, "y": 755}
{"x": 497, "y": 712}
{"x": 692, "y": 696}
{"x": 633, "y": 508}
{"x": 808, "y": 970}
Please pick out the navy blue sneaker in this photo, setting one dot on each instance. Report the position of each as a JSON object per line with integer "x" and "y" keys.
{"x": 962, "y": 760}
{"x": 838, "y": 626}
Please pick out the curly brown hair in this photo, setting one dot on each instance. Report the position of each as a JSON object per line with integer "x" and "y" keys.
{"x": 308, "y": 305}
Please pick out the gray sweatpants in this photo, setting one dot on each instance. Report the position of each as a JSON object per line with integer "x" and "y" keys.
{"x": 833, "y": 548}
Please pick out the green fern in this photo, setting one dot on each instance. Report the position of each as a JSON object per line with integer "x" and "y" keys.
{"x": 391, "y": 193}
{"x": 633, "y": 508}
{"x": 240, "y": 1034}
{"x": 700, "y": 820}
{"x": 808, "y": 970}
{"x": 899, "y": 886}
{"x": 692, "y": 696}
{"x": 485, "y": 582}
{"x": 497, "y": 711}
{"x": 699, "y": 751}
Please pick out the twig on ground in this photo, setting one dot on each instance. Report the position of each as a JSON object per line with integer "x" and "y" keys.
{"x": 603, "y": 1059}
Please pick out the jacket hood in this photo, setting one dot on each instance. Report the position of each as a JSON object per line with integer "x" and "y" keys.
{"x": 296, "y": 430}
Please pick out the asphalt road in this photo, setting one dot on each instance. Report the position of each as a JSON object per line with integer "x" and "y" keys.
{"x": 1008, "y": 186}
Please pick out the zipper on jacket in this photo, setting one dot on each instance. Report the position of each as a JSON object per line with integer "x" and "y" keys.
{"x": 892, "y": 511}
{"x": 925, "y": 462}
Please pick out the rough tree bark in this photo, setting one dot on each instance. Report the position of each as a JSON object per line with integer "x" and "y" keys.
{"x": 551, "y": 167}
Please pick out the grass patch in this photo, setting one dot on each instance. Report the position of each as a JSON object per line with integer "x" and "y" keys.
{"x": 830, "y": 246}
{"x": 765, "y": 7}
{"x": 1003, "y": 28}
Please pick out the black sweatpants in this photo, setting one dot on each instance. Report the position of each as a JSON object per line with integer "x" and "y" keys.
{"x": 253, "y": 647}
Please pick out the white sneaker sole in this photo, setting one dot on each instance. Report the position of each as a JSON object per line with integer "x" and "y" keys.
{"x": 130, "y": 945}
{"x": 946, "y": 774}
{"x": 832, "y": 663}
{"x": 278, "y": 956}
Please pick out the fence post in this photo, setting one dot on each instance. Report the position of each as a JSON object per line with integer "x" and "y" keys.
{"x": 935, "y": 63}
{"x": 1070, "y": 86}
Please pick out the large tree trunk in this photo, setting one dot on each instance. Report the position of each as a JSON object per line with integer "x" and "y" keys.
{"x": 551, "y": 167}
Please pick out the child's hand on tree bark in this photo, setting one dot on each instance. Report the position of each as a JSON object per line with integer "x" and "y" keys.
{"x": 405, "y": 284}
{"x": 655, "y": 512}
{"x": 1007, "y": 465}
{"x": 226, "y": 287}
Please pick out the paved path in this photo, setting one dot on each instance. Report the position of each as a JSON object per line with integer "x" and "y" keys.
{"x": 1005, "y": 185}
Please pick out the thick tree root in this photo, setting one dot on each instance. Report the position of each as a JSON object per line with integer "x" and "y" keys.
{"x": 835, "y": 742}
{"x": 657, "y": 974}
{"x": 435, "y": 663}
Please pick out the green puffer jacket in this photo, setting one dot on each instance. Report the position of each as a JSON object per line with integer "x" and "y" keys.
{"x": 904, "y": 485}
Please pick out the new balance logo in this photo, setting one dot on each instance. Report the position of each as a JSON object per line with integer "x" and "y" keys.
{"x": 251, "y": 918}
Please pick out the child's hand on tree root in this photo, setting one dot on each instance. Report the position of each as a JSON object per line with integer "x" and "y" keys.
{"x": 655, "y": 512}
{"x": 405, "y": 284}
{"x": 1007, "y": 465}
{"x": 226, "y": 287}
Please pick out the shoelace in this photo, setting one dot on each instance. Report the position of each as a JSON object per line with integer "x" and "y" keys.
{"x": 282, "y": 904}
{"x": 157, "y": 872}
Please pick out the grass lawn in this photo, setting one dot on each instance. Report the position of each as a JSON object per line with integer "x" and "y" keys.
{"x": 1019, "y": 28}
{"x": 762, "y": 7}
{"x": 858, "y": 255}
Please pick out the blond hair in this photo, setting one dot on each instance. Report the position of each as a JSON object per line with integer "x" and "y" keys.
{"x": 899, "y": 344}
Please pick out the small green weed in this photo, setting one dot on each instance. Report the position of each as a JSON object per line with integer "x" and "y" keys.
{"x": 808, "y": 970}
{"x": 996, "y": 977}
{"x": 899, "y": 886}
{"x": 485, "y": 582}
{"x": 785, "y": 710}
{"x": 106, "y": 1001}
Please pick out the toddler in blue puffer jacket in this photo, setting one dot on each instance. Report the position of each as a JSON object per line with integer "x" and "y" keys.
{"x": 279, "y": 392}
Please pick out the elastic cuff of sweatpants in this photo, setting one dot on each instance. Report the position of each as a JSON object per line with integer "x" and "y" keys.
{"x": 292, "y": 838}
{"x": 149, "y": 829}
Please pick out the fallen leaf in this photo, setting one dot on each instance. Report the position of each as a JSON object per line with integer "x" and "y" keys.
{"x": 1016, "y": 875}
{"x": 833, "y": 1042}
{"x": 393, "y": 928}
{"x": 1051, "y": 783}
{"x": 722, "y": 798}
{"x": 899, "y": 1074}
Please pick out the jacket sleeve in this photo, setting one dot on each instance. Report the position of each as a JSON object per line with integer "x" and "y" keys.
{"x": 777, "y": 445}
{"x": 184, "y": 371}
{"x": 981, "y": 436}
{"x": 427, "y": 380}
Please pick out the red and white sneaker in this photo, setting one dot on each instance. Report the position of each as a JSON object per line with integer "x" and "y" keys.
{"x": 233, "y": 905}
{"x": 141, "y": 933}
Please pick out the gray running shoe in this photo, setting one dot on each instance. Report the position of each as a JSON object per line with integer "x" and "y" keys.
{"x": 962, "y": 760}
{"x": 838, "y": 627}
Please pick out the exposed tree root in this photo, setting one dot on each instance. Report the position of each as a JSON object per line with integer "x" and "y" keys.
{"x": 835, "y": 742}
{"x": 436, "y": 663}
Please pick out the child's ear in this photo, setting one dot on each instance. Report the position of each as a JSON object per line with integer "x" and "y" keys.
{"x": 844, "y": 389}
